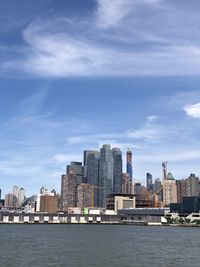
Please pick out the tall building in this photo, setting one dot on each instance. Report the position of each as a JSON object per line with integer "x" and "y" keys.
{"x": 68, "y": 191}
{"x": 181, "y": 190}
{"x": 11, "y": 201}
{"x": 85, "y": 196}
{"x": 21, "y": 196}
{"x": 149, "y": 181}
{"x": 105, "y": 174}
{"x": 91, "y": 164}
{"x": 169, "y": 190}
{"x": 117, "y": 171}
{"x": 77, "y": 169}
{"x": 137, "y": 188}
{"x": 192, "y": 186}
{"x": 164, "y": 168}
{"x": 157, "y": 185}
{"x": 129, "y": 163}
{"x": 127, "y": 185}
{"x": 19, "y": 193}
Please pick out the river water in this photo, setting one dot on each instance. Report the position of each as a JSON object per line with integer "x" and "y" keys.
{"x": 98, "y": 245}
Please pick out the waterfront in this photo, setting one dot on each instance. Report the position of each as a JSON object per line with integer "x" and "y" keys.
{"x": 98, "y": 245}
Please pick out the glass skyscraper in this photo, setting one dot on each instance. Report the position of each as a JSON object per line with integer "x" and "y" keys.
{"x": 129, "y": 163}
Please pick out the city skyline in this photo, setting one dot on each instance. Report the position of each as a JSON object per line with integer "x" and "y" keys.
{"x": 74, "y": 76}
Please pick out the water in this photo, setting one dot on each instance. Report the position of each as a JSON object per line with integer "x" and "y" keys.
{"x": 98, "y": 246}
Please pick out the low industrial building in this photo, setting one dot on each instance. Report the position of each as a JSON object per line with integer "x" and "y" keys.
{"x": 189, "y": 205}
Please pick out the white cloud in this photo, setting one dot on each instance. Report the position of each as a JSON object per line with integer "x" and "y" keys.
{"x": 61, "y": 55}
{"x": 120, "y": 38}
{"x": 193, "y": 111}
{"x": 112, "y": 12}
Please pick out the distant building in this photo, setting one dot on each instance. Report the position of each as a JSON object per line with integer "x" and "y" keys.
{"x": 129, "y": 168}
{"x": 169, "y": 190}
{"x": 68, "y": 191}
{"x": 85, "y": 196}
{"x": 11, "y": 201}
{"x": 157, "y": 186}
{"x": 105, "y": 174}
{"x": 192, "y": 186}
{"x": 181, "y": 190}
{"x": 120, "y": 201}
{"x": 48, "y": 203}
{"x": 127, "y": 185}
{"x": 91, "y": 165}
{"x": 149, "y": 181}
{"x": 164, "y": 168}
{"x": 21, "y": 196}
{"x": 137, "y": 188}
{"x": 19, "y": 193}
{"x": 189, "y": 205}
{"x": 77, "y": 169}
{"x": 117, "y": 171}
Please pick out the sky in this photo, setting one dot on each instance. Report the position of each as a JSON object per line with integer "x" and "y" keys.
{"x": 77, "y": 74}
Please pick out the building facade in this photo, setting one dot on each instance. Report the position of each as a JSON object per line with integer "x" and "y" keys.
{"x": 117, "y": 171}
{"x": 192, "y": 186}
{"x": 129, "y": 168}
{"x": 105, "y": 174}
{"x": 68, "y": 191}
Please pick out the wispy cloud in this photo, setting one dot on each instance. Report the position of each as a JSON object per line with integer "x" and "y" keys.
{"x": 120, "y": 38}
{"x": 111, "y": 12}
{"x": 193, "y": 111}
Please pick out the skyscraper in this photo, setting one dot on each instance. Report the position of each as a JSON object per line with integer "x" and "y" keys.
{"x": 149, "y": 181}
{"x": 127, "y": 185}
{"x": 91, "y": 164}
{"x": 181, "y": 190}
{"x": 77, "y": 169}
{"x": 129, "y": 163}
{"x": 68, "y": 191}
{"x": 164, "y": 167}
{"x": 85, "y": 196}
{"x": 192, "y": 186}
{"x": 169, "y": 190}
{"x": 117, "y": 171}
{"x": 105, "y": 174}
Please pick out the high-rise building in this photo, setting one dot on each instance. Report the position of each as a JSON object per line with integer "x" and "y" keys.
{"x": 117, "y": 171}
{"x": 129, "y": 169}
{"x": 21, "y": 196}
{"x": 157, "y": 185}
{"x": 169, "y": 190}
{"x": 164, "y": 168}
{"x": 149, "y": 181}
{"x": 192, "y": 186}
{"x": 19, "y": 193}
{"x": 105, "y": 174}
{"x": 77, "y": 169}
{"x": 11, "y": 201}
{"x": 181, "y": 190}
{"x": 137, "y": 188}
{"x": 85, "y": 196}
{"x": 68, "y": 191}
{"x": 127, "y": 185}
{"x": 91, "y": 164}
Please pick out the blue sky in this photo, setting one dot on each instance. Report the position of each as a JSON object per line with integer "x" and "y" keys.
{"x": 77, "y": 74}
